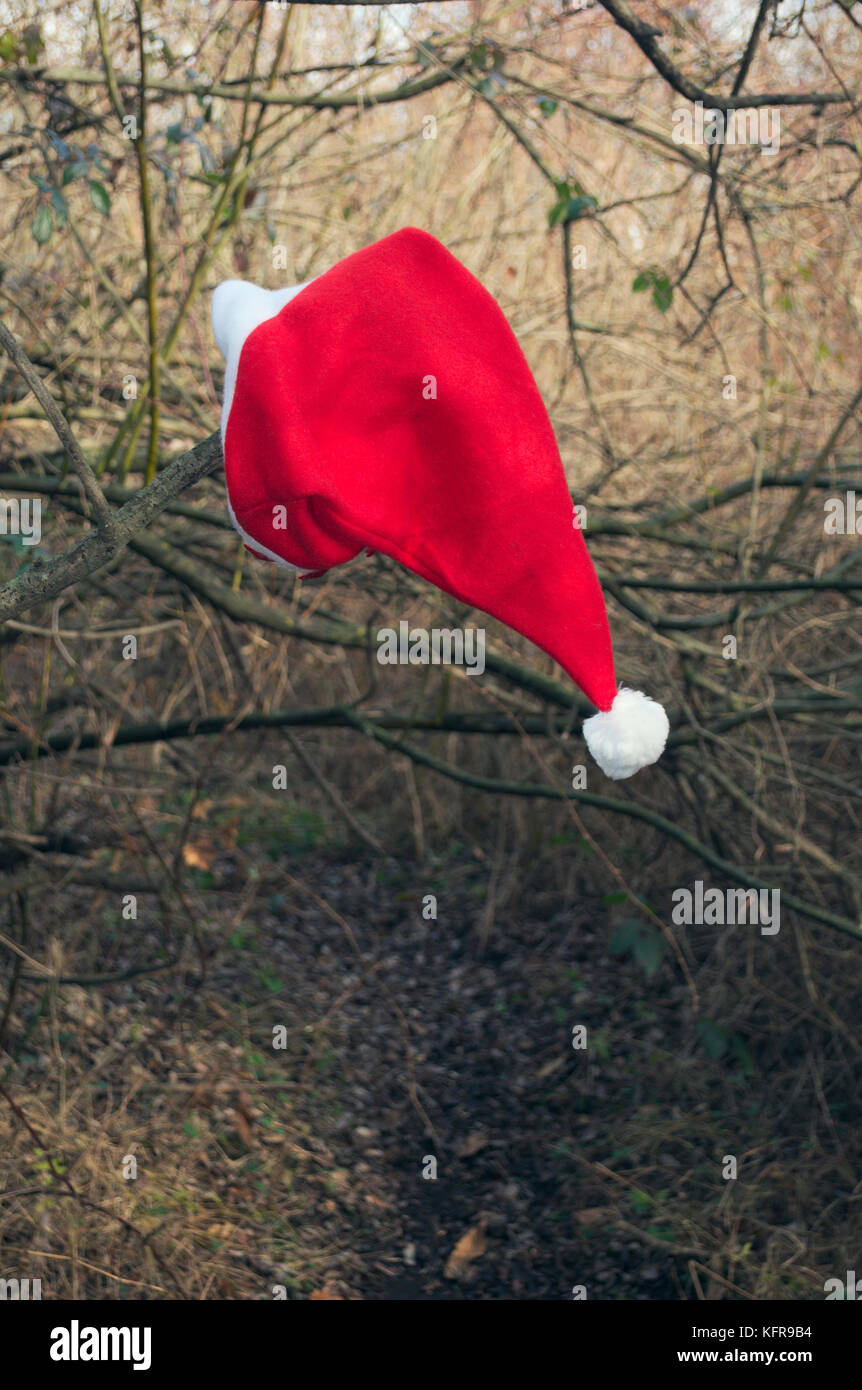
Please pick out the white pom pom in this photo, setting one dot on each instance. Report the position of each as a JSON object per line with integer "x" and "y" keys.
{"x": 630, "y": 735}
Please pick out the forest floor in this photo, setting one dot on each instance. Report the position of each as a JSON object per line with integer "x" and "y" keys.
{"x": 354, "y": 1101}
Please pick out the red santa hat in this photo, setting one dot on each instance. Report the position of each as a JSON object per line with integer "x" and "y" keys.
{"x": 386, "y": 406}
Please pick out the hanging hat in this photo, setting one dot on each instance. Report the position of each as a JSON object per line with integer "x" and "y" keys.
{"x": 386, "y": 406}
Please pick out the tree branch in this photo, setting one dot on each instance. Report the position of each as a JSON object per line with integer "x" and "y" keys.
{"x": 102, "y": 513}
{"x": 336, "y": 101}
{"x": 43, "y": 581}
{"x": 646, "y": 37}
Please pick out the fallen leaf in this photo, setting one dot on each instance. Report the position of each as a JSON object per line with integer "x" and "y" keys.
{"x": 594, "y": 1216}
{"x": 550, "y": 1067}
{"x": 244, "y": 1118}
{"x": 469, "y": 1248}
{"x": 220, "y": 1230}
{"x": 328, "y": 1294}
{"x": 472, "y": 1144}
{"x": 198, "y": 856}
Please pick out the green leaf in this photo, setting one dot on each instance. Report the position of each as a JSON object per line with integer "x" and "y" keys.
{"x": 33, "y": 42}
{"x": 662, "y": 1232}
{"x": 9, "y": 47}
{"x": 479, "y": 56}
{"x": 61, "y": 208}
{"x": 624, "y": 938}
{"x": 547, "y": 107}
{"x": 576, "y": 207}
{"x": 16, "y": 542}
{"x": 662, "y": 295}
{"x": 76, "y": 170}
{"x": 648, "y": 952}
{"x": 99, "y": 196}
{"x": 662, "y": 289}
{"x": 558, "y": 211}
{"x": 175, "y": 133}
{"x": 425, "y": 55}
{"x": 488, "y": 84}
{"x": 714, "y": 1039}
{"x": 42, "y": 225}
{"x": 572, "y": 203}
{"x": 645, "y": 944}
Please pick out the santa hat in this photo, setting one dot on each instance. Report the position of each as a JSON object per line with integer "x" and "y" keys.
{"x": 386, "y": 406}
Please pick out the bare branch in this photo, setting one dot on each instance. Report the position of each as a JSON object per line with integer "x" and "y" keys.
{"x": 646, "y": 37}
{"x": 336, "y": 101}
{"x": 43, "y": 581}
{"x": 102, "y": 513}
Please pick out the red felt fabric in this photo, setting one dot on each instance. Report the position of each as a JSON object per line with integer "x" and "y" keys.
{"x": 467, "y": 490}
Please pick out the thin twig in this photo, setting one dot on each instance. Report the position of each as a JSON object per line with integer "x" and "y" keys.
{"x": 102, "y": 513}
